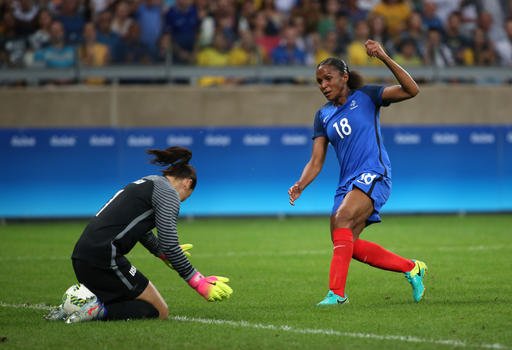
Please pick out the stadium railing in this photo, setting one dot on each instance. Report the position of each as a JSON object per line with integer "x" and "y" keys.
{"x": 166, "y": 73}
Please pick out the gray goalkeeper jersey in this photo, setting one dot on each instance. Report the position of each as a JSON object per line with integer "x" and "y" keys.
{"x": 129, "y": 217}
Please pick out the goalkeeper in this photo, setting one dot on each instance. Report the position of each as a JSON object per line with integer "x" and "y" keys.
{"x": 99, "y": 261}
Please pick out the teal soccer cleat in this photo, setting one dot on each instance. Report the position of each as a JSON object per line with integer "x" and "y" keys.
{"x": 333, "y": 299}
{"x": 415, "y": 278}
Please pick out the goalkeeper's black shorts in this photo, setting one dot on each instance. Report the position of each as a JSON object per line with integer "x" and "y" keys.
{"x": 114, "y": 284}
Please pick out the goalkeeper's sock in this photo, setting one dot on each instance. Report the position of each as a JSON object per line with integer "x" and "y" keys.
{"x": 374, "y": 255}
{"x": 341, "y": 256}
{"x": 131, "y": 309}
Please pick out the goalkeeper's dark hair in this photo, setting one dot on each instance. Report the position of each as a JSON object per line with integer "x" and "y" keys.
{"x": 355, "y": 80}
{"x": 176, "y": 159}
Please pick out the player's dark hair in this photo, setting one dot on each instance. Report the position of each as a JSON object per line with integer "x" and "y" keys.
{"x": 176, "y": 159}
{"x": 355, "y": 80}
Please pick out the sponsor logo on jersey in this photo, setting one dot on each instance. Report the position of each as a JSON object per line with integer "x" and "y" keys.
{"x": 353, "y": 105}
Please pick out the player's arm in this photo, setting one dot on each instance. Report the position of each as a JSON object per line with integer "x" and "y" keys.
{"x": 150, "y": 242}
{"x": 407, "y": 87}
{"x": 312, "y": 168}
{"x": 166, "y": 209}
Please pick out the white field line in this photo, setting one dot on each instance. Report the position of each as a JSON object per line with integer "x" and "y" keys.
{"x": 307, "y": 331}
{"x": 476, "y": 248}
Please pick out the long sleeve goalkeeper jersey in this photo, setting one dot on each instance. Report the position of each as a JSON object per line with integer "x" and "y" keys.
{"x": 129, "y": 217}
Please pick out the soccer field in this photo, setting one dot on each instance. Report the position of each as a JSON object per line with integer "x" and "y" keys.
{"x": 279, "y": 271}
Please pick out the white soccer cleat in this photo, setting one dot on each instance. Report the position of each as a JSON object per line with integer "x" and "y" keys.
{"x": 93, "y": 310}
{"x": 56, "y": 314}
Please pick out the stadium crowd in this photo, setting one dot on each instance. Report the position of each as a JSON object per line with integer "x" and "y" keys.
{"x": 63, "y": 33}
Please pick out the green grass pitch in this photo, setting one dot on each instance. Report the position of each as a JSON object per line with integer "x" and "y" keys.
{"x": 279, "y": 271}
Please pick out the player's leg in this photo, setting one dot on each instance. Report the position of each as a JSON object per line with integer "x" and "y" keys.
{"x": 379, "y": 257}
{"x": 346, "y": 225}
{"x": 117, "y": 290}
{"x": 152, "y": 296}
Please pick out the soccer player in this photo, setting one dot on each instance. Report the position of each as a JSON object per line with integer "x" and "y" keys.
{"x": 349, "y": 121}
{"x": 99, "y": 261}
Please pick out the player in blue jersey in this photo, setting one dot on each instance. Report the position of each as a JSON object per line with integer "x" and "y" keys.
{"x": 128, "y": 218}
{"x": 349, "y": 121}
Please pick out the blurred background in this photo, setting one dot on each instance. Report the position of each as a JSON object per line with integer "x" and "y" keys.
{"x": 86, "y": 86}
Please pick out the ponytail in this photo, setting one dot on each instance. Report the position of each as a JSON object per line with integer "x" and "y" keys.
{"x": 176, "y": 159}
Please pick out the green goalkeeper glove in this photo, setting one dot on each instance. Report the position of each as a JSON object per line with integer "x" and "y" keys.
{"x": 184, "y": 247}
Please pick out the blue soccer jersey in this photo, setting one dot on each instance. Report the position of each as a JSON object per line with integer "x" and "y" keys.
{"x": 353, "y": 129}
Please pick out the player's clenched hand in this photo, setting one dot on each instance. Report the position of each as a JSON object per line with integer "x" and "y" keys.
{"x": 294, "y": 192}
{"x": 212, "y": 288}
{"x": 374, "y": 49}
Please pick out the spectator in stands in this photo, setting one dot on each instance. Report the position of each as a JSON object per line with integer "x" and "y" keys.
{"x": 343, "y": 34}
{"x": 98, "y": 6}
{"x": 395, "y": 13}
{"x": 445, "y": 7}
{"x": 121, "y": 20}
{"x": 132, "y": 50}
{"x": 456, "y": 41}
{"x": 58, "y": 54}
{"x": 285, "y": 6}
{"x": 303, "y": 39}
{"x": 264, "y": 37}
{"x": 378, "y": 31}
{"x": 182, "y": 22}
{"x": 105, "y": 35}
{"x": 415, "y": 32}
{"x": 430, "y": 18}
{"x": 245, "y": 52}
{"x": 437, "y": 53}
{"x": 469, "y": 11}
{"x": 41, "y": 37}
{"x": 504, "y": 46}
{"x": 356, "y": 51}
{"x": 327, "y": 22}
{"x": 407, "y": 54}
{"x": 92, "y": 53}
{"x": 274, "y": 17}
{"x": 72, "y": 20}
{"x": 164, "y": 49}
{"x": 207, "y": 20}
{"x": 247, "y": 11}
{"x": 226, "y": 20}
{"x": 324, "y": 48}
{"x": 216, "y": 55}
{"x": 483, "y": 51}
{"x": 25, "y": 12}
{"x": 355, "y": 10}
{"x": 12, "y": 45}
{"x": 149, "y": 17}
{"x": 287, "y": 52}
{"x": 311, "y": 11}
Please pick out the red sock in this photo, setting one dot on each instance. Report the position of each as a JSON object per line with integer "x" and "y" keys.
{"x": 376, "y": 256}
{"x": 341, "y": 256}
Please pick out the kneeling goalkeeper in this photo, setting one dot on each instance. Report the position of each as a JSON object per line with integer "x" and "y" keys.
{"x": 99, "y": 260}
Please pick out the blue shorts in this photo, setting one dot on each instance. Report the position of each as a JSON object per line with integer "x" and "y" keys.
{"x": 376, "y": 186}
